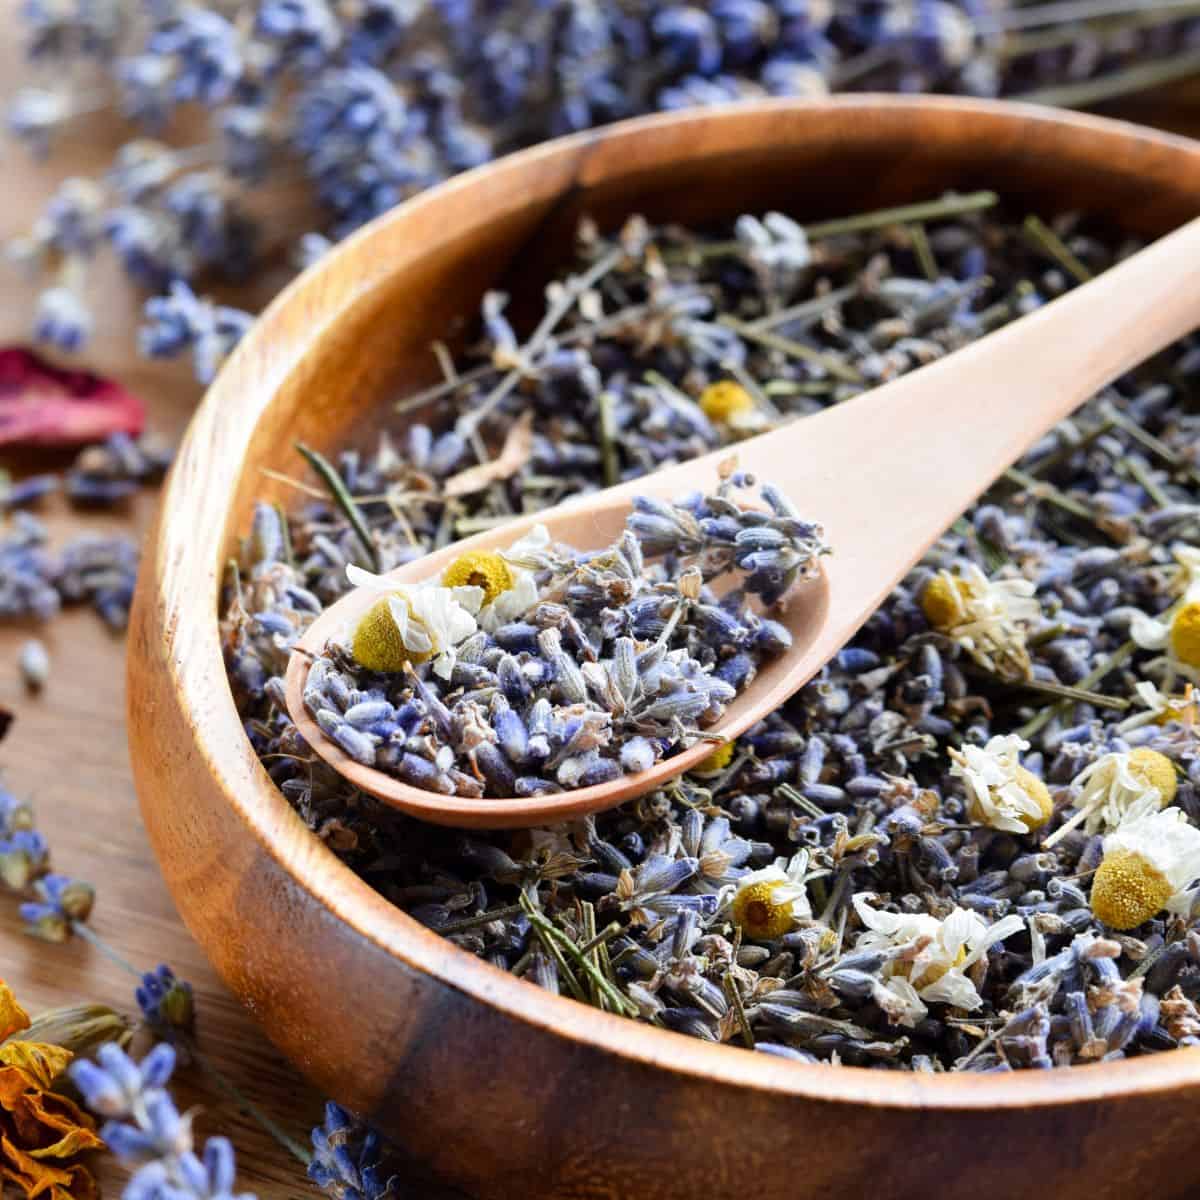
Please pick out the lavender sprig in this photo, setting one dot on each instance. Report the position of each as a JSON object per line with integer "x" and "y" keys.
{"x": 146, "y": 1132}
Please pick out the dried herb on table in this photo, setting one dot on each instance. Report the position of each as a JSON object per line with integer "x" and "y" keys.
{"x": 358, "y": 106}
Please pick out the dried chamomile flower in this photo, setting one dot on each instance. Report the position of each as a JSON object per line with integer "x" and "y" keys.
{"x": 936, "y": 955}
{"x": 1118, "y": 787}
{"x": 482, "y": 569}
{"x": 717, "y": 761}
{"x": 1178, "y": 634}
{"x": 1147, "y": 864}
{"x": 768, "y": 903}
{"x": 1000, "y": 792}
{"x": 506, "y": 577}
{"x": 412, "y": 623}
{"x": 987, "y": 617}
{"x": 727, "y": 403}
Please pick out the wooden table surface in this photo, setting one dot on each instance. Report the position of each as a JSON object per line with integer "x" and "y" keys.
{"x": 67, "y": 749}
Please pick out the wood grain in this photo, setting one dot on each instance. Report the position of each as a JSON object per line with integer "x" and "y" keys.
{"x": 491, "y": 1083}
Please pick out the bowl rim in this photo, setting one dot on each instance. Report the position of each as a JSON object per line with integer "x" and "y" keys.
{"x": 240, "y": 395}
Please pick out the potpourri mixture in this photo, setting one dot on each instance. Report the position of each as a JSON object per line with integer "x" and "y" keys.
{"x": 972, "y": 842}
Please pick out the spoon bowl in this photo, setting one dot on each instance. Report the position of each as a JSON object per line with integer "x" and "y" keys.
{"x": 590, "y": 524}
{"x": 909, "y": 449}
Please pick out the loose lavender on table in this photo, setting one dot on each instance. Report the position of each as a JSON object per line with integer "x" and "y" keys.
{"x": 347, "y": 107}
{"x": 537, "y": 668}
{"x": 972, "y": 842}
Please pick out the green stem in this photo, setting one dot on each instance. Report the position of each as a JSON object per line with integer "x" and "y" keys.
{"x": 924, "y": 251}
{"x": 341, "y": 495}
{"x": 1119, "y": 83}
{"x": 773, "y": 341}
{"x": 91, "y": 936}
{"x": 1093, "y": 677}
{"x": 1043, "y": 238}
{"x": 238, "y": 1097}
{"x": 486, "y": 918}
{"x": 905, "y": 214}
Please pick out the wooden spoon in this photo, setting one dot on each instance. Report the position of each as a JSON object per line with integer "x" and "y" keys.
{"x": 885, "y": 473}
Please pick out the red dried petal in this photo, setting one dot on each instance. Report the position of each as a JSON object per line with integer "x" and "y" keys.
{"x": 43, "y": 405}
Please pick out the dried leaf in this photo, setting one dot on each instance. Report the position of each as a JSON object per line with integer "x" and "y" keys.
{"x": 514, "y": 454}
{"x": 13, "y": 1018}
{"x": 43, "y": 405}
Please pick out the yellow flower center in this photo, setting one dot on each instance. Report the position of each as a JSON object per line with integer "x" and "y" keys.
{"x": 718, "y": 760}
{"x": 1185, "y": 634}
{"x": 761, "y": 916}
{"x": 941, "y": 601}
{"x": 1128, "y": 889}
{"x": 932, "y": 973}
{"x": 1154, "y": 770}
{"x": 725, "y": 400}
{"x": 482, "y": 569}
{"x": 377, "y": 644}
{"x": 1039, "y": 793}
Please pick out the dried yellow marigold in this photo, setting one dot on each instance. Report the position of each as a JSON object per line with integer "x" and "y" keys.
{"x": 482, "y": 569}
{"x": 724, "y": 400}
{"x": 41, "y": 1133}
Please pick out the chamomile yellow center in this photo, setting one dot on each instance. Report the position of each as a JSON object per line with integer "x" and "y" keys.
{"x": 1154, "y": 770}
{"x": 941, "y": 599}
{"x": 1148, "y": 767}
{"x": 725, "y": 400}
{"x": 932, "y": 973}
{"x": 717, "y": 761}
{"x": 377, "y": 644}
{"x": 1039, "y": 793}
{"x": 1128, "y": 889}
{"x": 760, "y": 914}
{"x": 1185, "y": 634}
{"x": 482, "y": 569}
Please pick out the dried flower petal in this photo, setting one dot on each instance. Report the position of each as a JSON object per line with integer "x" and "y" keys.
{"x": 43, "y": 405}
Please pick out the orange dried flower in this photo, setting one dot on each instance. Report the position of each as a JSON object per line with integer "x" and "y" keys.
{"x": 42, "y": 1133}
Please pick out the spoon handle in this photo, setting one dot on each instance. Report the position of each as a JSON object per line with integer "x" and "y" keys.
{"x": 888, "y": 471}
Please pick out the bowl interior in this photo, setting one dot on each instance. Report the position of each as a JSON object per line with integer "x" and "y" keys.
{"x": 355, "y": 332}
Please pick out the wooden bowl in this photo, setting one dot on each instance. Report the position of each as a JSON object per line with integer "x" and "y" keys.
{"x": 496, "y": 1086}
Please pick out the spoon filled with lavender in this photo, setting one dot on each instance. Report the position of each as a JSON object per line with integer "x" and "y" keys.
{"x": 570, "y": 660}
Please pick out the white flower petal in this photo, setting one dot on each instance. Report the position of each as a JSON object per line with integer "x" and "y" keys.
{"x": 1148, "y": 633}
{"x": 953, "y": 988}
{"x": 366, "y": 579}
